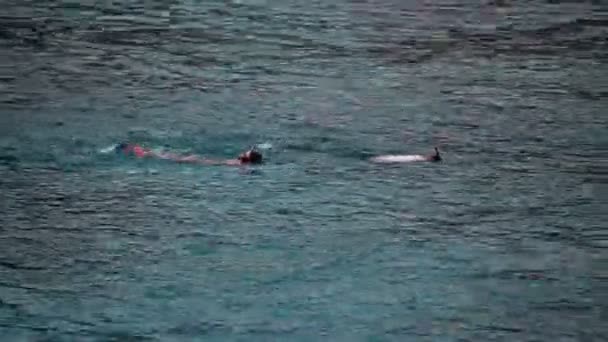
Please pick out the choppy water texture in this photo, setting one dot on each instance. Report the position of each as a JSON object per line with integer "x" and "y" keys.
{"x": 504, "y": 240}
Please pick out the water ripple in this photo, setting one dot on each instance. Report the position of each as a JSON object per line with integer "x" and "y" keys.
{"x": 502, "y": 240}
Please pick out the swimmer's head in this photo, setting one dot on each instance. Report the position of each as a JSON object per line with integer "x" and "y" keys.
{"x": 121, "y": 147}
{"x": 250, "y": 157}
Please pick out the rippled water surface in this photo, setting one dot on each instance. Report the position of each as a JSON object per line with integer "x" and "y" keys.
{"x": 503, "y": 240}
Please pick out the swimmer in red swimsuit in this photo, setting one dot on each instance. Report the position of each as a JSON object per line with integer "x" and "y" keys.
{"x": 248, "y": 157}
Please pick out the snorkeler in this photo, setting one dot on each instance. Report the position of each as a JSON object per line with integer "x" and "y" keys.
{"x": 435, "y": 157}
{"x": 250, "y": 156}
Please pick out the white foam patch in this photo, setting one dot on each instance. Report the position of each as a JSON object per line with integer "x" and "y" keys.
{"x": 108, "y": 149}
{"x": 404, "y": 158}
{"x": 264, "y": 146}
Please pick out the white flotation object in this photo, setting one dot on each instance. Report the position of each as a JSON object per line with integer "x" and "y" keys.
{"x": 399, "y": 158}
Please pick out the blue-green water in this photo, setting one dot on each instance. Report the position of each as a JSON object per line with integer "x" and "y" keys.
{"x": 504, "y": 240}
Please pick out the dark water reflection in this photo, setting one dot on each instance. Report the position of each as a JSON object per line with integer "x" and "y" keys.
{"x": 502, "y": 241}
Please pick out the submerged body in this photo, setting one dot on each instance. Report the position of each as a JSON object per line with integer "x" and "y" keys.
{"x": 248, "y": 157}
{"x": 406, "y": 158}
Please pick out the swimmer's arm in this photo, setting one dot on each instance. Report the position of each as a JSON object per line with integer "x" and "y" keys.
{"x": 169, "y": 156}
{"x": 193, "y": 159}
{"x": 205, "y": 161}
{"x": 229, "y": 162}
